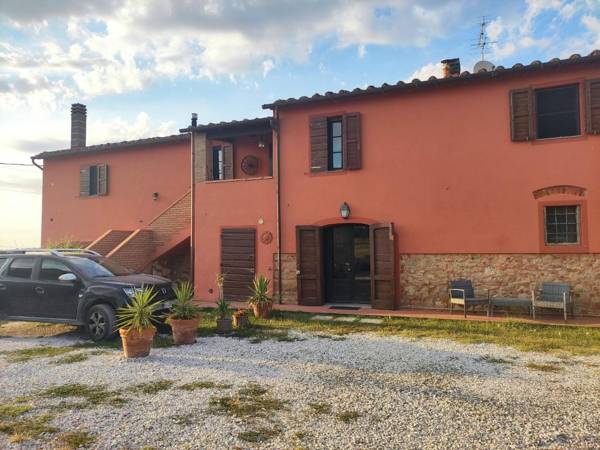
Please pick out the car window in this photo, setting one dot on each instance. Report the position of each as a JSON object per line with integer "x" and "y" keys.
{"x": 99, "y": 268}
{"x": 21, "y": 268}
{"x": 2, "y": 261}
{"x": 52, "y": 269}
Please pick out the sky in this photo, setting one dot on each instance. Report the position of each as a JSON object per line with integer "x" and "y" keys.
{"x": 143, "y": 66}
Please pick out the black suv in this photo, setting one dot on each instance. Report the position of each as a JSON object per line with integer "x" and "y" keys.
{"x": 71, "y": 286}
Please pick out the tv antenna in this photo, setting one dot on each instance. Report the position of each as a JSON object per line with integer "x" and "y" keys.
{"x": 483, "y": 42}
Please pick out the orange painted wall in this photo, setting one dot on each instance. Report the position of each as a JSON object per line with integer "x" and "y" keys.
{"x": 134, "y": 174}
{"x": 440, "y": 164}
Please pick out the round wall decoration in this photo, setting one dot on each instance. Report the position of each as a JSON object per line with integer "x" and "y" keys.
{"x": 266, "y": 237}
{"x": 250, "y": 164}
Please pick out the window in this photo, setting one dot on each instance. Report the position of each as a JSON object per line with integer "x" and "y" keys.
{"x": 334, "y": 144}
{"x": 218, "y": 164}
{"x": 93, "y": 180}
{"x": 2, "y": 261}
{"x": 562, "y": 224}
{"x": 557, "y": 112}
{"x": 51, "y": 270}
{"x": 21, "y": 268}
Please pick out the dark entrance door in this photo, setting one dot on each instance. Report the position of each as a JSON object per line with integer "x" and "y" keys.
{"x": 347, "y": 264}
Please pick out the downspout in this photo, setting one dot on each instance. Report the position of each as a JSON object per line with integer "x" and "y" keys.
{"x": 193, "y": 208}
{"x": 36, "y": 164}
{"x": 278, "y": 205}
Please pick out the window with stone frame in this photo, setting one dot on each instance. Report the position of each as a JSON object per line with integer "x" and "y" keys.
{"x": 562, "y": 225}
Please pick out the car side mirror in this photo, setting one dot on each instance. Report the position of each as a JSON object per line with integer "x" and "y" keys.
{"x": 68, "y": 277}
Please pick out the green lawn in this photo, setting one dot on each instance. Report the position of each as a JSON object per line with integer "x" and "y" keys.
{"x": 522, "y": 336}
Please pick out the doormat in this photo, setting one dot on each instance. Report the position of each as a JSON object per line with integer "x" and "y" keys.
{"x": 345, "y": 307}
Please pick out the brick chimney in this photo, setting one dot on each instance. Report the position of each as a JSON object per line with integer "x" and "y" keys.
{"x": 451, "y": 67}
{"x": 78, "y": 119}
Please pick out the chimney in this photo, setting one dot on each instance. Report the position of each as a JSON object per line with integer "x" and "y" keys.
{"x": 451, "y": 67}
{"x": 194, "y": 120}
{"x": 78, "y": 119}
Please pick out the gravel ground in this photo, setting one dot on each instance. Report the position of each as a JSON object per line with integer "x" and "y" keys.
{"x": 393, "y": 392}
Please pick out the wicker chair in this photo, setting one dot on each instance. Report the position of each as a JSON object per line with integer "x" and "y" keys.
{"x": 462, "y": 293}
{"x": 554, "y": 296}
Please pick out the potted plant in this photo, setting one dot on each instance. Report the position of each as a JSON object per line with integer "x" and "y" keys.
{"x": 260, "y": 301}
{"x": 136, "y": 322}
{"x": 184, "y": 315}
{"x": 240, "y": 319}
{"x": 223, "y": 319}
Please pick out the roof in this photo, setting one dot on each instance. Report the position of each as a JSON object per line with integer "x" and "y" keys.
{"x": 434, "y": 81}
{"x": 217, "y": 128}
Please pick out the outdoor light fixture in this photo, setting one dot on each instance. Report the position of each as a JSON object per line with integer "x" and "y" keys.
{"x": 155, "y": 196}
{"x": 261, "y": 143}
{"x": 345, "y": 210}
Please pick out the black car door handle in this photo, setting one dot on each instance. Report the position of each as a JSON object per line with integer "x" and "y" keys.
{"x": 39, "y": 290}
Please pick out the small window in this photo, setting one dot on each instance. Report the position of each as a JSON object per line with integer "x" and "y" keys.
{"x": 557, "y": 112}
{"x": 93, "y": 188}
{"x": 21, "y": 268}
{"x": 51, "y": 270}
{"x": 334, "y": 144}
{"x": 218, "y": 164}
{"x": 562, "y": 225}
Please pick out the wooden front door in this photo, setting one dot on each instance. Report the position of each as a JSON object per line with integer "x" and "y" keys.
{"x": 347, "y": 264}
{"x": 383, "y": 266}
{"x": 309, "y": 268}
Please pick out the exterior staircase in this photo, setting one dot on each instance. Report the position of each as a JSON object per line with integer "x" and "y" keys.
{"x": 137, "y": 249}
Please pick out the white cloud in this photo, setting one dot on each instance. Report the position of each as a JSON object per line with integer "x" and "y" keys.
{"x": 427, "y": 71}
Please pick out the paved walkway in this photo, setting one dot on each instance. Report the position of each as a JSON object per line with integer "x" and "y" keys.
{"x": 425, "y": 314}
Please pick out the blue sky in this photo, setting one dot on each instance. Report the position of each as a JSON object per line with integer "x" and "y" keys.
{"x": 142, "y": 67}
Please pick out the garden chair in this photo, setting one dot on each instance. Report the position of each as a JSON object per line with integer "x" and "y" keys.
{"x": 554, "y": 296}
{"x": 462, "y": 293}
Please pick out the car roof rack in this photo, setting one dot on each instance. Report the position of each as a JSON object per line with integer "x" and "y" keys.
{"x": 50, "y": 251}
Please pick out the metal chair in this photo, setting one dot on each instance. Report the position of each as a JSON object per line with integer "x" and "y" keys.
{"x": 553, "y": 296}
{"x": 462, "y": 293}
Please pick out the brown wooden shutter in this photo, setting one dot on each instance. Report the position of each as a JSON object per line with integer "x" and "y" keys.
{"x": 383, "y": 266}
{"x": 521, "y": 115}
{"x": 318, "y": 144}
{"x": 228, "y": 162}
{"x": 102, "y": 179}
{"x": 84, "y": 181}
{"x": 209, "y": 164}
{"x": 592, "y": 106}
{"x": 238, "y": 262}
{"x": 309, "y": 272}
{"x": 352, "y": 150}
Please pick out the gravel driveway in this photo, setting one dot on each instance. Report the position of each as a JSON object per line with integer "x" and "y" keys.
{"x": 360, "y": 391}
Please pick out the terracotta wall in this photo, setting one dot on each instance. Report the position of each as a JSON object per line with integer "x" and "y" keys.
{"x": 134, "y": 175}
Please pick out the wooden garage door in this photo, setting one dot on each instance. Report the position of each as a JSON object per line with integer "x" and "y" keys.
{"x": 238, "y": 261}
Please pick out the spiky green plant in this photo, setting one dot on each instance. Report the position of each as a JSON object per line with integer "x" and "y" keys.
{"x": 260, "y": 292}
{"x": 184, "y": 308}
{"x": 64, "y": 242}
{"x": 141, "y": 313}
{"x": 222, "y": 308}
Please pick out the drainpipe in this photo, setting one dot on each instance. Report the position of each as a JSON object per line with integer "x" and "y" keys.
{"x": 193, "y": 206}
{"x": 36, "y": 164}
{"x": 278, "y": 204}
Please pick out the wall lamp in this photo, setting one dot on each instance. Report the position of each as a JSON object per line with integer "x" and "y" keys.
{"x": 345, "y": 210}
{"x": 155, "y": 196}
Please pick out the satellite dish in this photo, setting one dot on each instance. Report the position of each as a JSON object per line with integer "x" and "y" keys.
{"x": 483, "y": 65}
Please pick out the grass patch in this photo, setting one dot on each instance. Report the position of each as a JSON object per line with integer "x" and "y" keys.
{"x": 320, "y": 408}
{"x": 29, "y": 428}
{"x": 249, "y": 401}
{"x": 27, "y": 354}
{"x": 12, "y": 411}
{"x": 492, "y": 360}
{"x": 70, "y": 359}
{"x": 521, "y": 336}
{"x": 159, "y": 341}
{"x": 260, "y": 435}
{"x": 94, "y": 395}
{"x": 76, "y": 439}
{"x": 203, "y": 385}
{"x": 544, "y": 367}
{"x": 347, "y": 416}
{"x": 151, "y": 387}
{"x": 331, "y": 337}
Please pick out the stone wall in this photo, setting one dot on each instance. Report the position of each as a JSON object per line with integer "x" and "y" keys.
{"x": 174, "y": 265}
{"x": 288, "y": 282}
{"x": 424, "y": 278}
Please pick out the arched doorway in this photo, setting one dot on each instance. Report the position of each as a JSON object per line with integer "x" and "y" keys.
{"x": 347, "y": 263}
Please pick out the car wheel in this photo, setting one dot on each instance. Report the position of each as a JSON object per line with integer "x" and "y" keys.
{"x": 100, "y": 322}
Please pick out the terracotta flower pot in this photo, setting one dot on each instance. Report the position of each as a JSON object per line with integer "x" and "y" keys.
{"x": 240, "y": 321}
{"x": 224, "y": 325}
{"x": 184, "y": 331}
{"x": 262, "y": 310}
{"x": 137, "y": 344}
